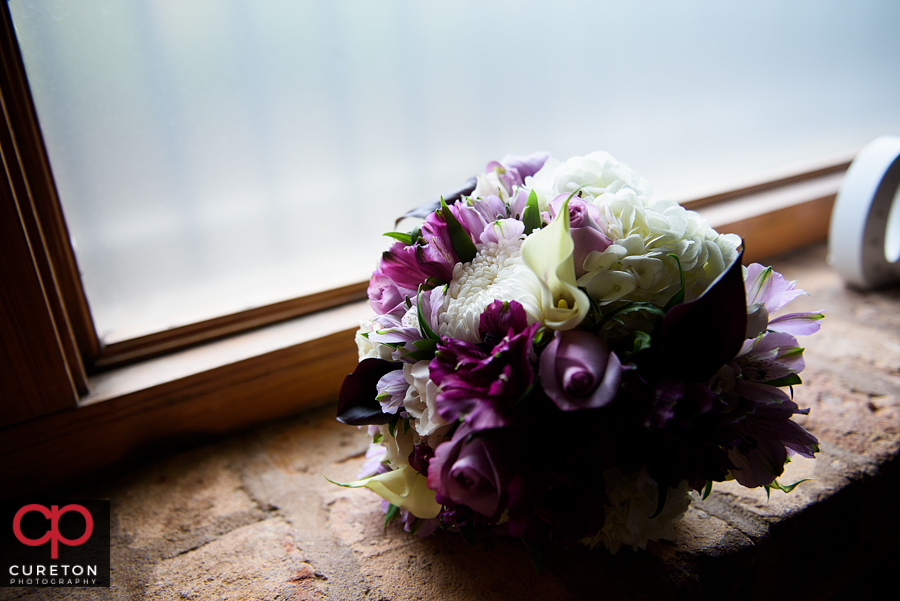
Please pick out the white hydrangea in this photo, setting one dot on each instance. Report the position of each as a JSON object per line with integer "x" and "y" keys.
{"x": 632, "y": 500}
{"x": 636, "y": 267}
{"x": 496, "y": 273}
{"x": 595, "y": 174}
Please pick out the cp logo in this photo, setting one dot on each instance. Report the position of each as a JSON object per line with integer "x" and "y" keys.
{"x": 53, "y": 534}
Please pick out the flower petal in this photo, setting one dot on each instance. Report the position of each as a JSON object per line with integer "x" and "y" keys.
{"x": 404, "y": 487}
{"x": 798, "y": 324}
{"x": 549, "y": 254}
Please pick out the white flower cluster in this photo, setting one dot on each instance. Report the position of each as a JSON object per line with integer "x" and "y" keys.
{"x": 636, "y": 266}
{"x": 633, "y": 499}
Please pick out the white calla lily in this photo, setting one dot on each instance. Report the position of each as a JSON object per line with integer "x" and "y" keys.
{"x": 548, "y": 253}
{"x": 404, "y": 487}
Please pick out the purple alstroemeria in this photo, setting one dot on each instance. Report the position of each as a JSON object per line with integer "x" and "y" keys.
{"x": 798, "y": 324}
{"x": 490, "y": 209}
{"x": 586, "y": 232}
{"x": 767, "y": 292}
{"x": 513, "y": 169}
{"x": 391, "y": 390}
{"x": 471, "y": 219}
{"x": 471, "y": 469}
{"x": 518, "y": 203}
{"x": 404, "y": 332}
{"x": 482, "y": 388}
{"x": 401, "y": 265}
{"x": 434, "y": 252}
{"x": 502, "y": 229}
{"x": 578, "y": 371}
{"x": 502, "y": 318}
{"x": 766, "y": 434}
{"x": 525, "y": 165}
{"x": 770, "y": 356}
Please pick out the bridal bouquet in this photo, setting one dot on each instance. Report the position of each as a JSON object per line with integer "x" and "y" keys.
{"x": 559, "y": 356}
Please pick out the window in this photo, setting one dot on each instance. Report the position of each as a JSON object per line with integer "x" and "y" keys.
{"x": 291, "y": 364}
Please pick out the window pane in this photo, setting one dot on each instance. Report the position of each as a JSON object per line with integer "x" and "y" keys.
{"x": 215, "y": 156}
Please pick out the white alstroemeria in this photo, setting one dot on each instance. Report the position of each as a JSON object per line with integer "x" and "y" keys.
{"x": 398, "y": 445}
{"x": 548, "y": 253}
{"x": 368, "y": 349}
{"x": 502, "y": 229}
{"x": 404, "y": 487}
{"x": 497, "y": 272}
{"x": 420, "y": 400}
{"x": 489, "y": 184}
{"x": 632, "y": 500}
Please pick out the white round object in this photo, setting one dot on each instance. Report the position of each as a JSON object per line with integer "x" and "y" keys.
{"x": 864, "y": 237}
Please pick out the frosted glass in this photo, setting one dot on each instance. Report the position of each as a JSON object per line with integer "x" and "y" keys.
{"x": 213, "y": 156}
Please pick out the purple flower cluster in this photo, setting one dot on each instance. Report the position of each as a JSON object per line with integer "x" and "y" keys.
{"x": 518, "y": 430}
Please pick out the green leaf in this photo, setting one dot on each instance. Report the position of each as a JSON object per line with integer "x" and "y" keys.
{"x": 377, "y": 438}
{"x": 404, "y": 238}
{"x": 788, "y": 380}
{"x": 417, "y": 523}
{"x": 537, "y": 557}
{"x": 462, "y": 244}
{"x": 391, "y": 513}
{"x": 405, "y": 425}
{"x": 789, "y": 487}
{"x": 630, "y": 308}
{"x": 531, "y": 217}
{"x": 392, "y": 426}
{"x": 678, "y": 298}
{"x": 768, "y": 491}
{"x": 641, "y": 342}
{"x": 707, "y": 490}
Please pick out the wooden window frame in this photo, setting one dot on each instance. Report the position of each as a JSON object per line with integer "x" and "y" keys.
{"x": 74, "y": 410}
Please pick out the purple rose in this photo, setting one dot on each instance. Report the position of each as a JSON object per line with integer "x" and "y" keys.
{"x": 385, "y": 296}
{"x": 578, "y": 371}
{"x": 585, "y": 228}
{"x": 471, "y": 471}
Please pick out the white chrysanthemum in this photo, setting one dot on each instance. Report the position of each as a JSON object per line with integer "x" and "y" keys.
{"x": 632, "y": 500}
{"x": 496, "y": 273}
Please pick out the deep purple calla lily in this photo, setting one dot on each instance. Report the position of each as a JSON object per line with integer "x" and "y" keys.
{"x": 698, "y": 337}
{"x": 578, "y": 371}
{"x": 357, "y": 405}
